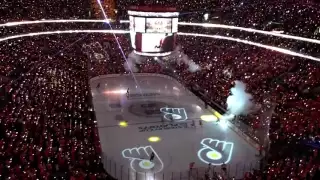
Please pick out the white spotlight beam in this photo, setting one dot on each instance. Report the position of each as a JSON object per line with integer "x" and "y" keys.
{"x": 62, "y": 32}
{"x": 298, "y": 38}
{"x": 280, "y": 50}
{"x": 273, "y": 48}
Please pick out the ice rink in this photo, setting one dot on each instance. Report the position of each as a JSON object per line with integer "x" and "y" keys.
{"x": 157, "y": 116}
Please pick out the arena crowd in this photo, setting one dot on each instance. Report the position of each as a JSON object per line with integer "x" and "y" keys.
{"x": 47, "y": 123}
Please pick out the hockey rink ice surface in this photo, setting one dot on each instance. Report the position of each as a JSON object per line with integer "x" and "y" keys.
{"x": 158, "y": 116}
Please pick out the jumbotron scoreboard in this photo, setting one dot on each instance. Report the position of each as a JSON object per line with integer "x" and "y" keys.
{"x": 153, "y": 30}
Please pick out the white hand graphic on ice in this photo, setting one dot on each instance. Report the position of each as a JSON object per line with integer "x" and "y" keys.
{"x": 215, "y": 152}
{"x": 176, "y": 114}
{"x": 140, "y": 159}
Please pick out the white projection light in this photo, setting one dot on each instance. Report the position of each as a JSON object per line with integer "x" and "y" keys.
{"x": 215, "y": 151}
{"x": 206, "y": 16}
{"x": 174, "y": 114}
{"x": 209, "y": 118}
{"x": 140, "y": 159}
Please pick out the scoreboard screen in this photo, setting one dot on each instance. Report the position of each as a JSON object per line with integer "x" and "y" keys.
{"x": 153, "y": 32}
{"x": 153, "y": 25}
{"x": 159, "y": 25}
{"x": 154, "y": 42}
{"x": 139, "y": 24}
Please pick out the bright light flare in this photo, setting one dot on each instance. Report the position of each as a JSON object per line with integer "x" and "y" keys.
{"x": 206, "y": 16}
{"x": 209, "y": 118}
{"x": 123, "y": 124}
{"x": 154, "y": 139}
{"x": 121, "y": 91}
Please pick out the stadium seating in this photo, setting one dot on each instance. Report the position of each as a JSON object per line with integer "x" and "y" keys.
{"x": 47, "y": 126}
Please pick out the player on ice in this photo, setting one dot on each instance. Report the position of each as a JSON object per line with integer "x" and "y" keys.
{"x": 127, "y": 93}
{"x": 151, "y": 156}
{"x": 98, "y": 87}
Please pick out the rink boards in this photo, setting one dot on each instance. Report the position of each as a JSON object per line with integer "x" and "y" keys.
{"x": 159, "y": 115}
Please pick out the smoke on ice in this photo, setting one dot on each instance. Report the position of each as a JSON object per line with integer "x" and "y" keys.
{"x": 132, "y": 61}
{"x": 180, "y": 56}
{"x": 239, "y": 102}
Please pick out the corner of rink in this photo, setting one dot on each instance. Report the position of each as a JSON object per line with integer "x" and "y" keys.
{"x": 151, "y": 124}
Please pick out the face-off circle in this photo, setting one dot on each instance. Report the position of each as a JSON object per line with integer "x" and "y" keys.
{"x": 147, "y": 108}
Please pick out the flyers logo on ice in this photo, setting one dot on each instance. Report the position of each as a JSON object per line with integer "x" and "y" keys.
{"x": 215, "y": 152}
{"x": 174, "y": 114}
{"x": 143, "y": 159}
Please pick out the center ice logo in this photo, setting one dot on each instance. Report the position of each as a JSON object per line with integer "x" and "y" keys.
{"x": 143, "y": 159}
{"x": 215, "y": 152}
{"x": 174, "y": 114}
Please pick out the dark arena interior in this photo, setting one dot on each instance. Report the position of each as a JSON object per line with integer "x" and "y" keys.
{"x": 160, "y": 90}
